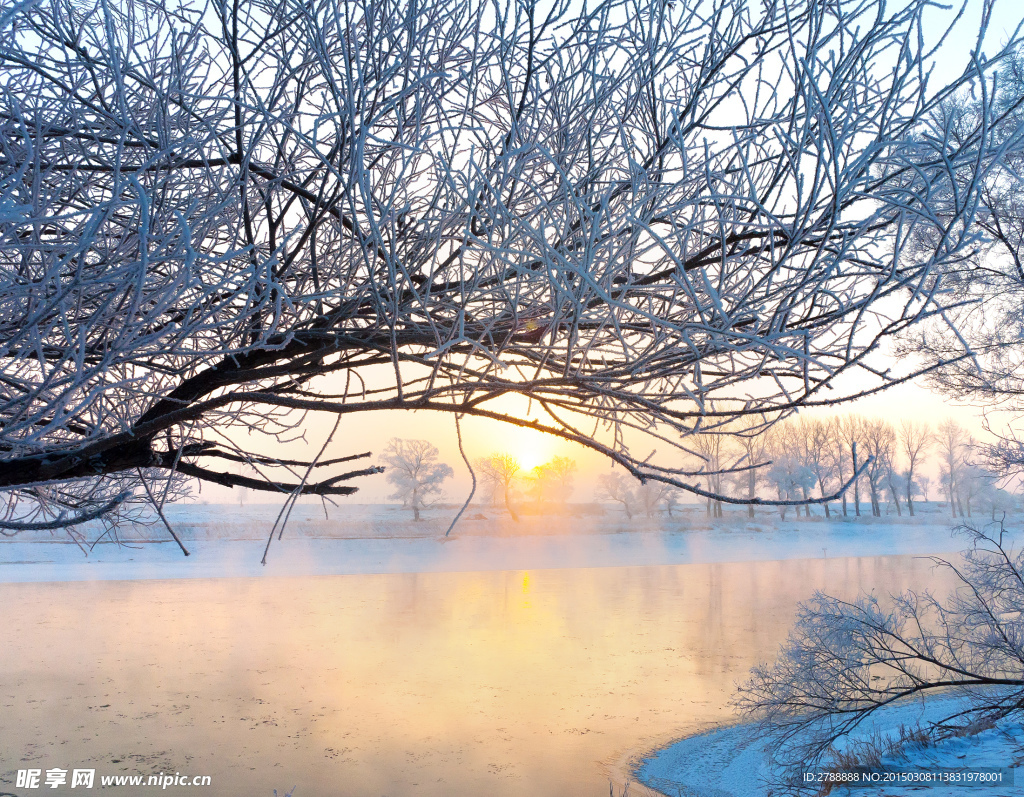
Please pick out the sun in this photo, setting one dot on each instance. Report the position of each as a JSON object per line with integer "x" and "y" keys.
{"x": 529, "y": 458}
{"x": 530, "y": 448}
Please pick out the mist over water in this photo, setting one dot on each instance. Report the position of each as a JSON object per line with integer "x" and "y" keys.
{"x": 537, "y": 683}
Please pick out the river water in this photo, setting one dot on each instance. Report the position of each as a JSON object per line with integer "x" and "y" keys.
{"x": 526, "y": 683}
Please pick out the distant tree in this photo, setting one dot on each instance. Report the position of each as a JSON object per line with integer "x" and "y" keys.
{"x": 815, "y": 442}
{"x": 879, "y": 447}
{"x": 894, "y": 482}
{"x": 711, "y": 448}
{"x": 789, "y": 474}
{"x": 652, "y": 496}
{"x": 752, "y": 441}
{"x": 672, "y": 501}
{"x": 838, "y": 455}
{"x": 412, "y": 467}
{"x": 915, "y": 439}
{"x": 952, "y": 441}
{"x": 997, "y": 500}
{"x": 849, "y": 430}
{"x": 539, "y": 484}
{"x": 922, "y": 485}
{"x": 978, "y": 486}
{"x": 616, "y": 487}
{"x": 501, "y": 473}
{"x": 552, "y": 481}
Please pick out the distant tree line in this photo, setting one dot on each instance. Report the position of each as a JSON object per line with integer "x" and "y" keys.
{"x": 804, "y": 458}
{"x": 816, "y": 456}
{"x": 798, "y": 459}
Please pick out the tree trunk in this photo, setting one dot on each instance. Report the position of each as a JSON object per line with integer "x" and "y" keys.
{"x": 508, "y": 506}
{"x": 751, "y": 483}
{"x": 856, "y": 481}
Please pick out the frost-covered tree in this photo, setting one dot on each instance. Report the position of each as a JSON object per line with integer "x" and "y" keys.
{"x": 711, "y": 449}
{"x": 845, "y": 660}
{"x": 412, "y": 467}
{"x": 849, "y": 431}
{"x": 752, "y": 442}
{"x": 652, "y": 497}
{"x": 879, "y": 446}
{"x": 815, "y": 440}
{"x": 978, "y": 486}
{"x": 915, "y": 438}
{"x": 952, "y": 442}
{"x": 789, "y": 473}
{"x": 616, "y": 487}
{"x": 218, "y": 219}
{"x": 976, "y": 346}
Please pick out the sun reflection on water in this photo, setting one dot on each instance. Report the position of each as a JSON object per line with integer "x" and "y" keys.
{"x": 501, "y": 683}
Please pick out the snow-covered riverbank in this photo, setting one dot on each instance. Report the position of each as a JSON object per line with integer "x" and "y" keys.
{"x": 732, "y": 761}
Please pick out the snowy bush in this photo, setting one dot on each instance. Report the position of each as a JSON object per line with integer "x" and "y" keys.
{"x": 845, "y": 660}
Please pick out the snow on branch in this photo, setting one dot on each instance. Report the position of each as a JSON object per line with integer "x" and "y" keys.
{"x": 647, "y": 217}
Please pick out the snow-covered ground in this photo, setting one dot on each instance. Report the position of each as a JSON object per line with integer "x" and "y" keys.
{"x": 226, "y": 541}
{"x": 732, "y": 761}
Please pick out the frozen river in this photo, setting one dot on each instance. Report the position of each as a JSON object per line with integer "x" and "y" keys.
{"x": 515, "y": 682}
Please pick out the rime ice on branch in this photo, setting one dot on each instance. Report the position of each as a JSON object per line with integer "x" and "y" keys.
{"x": 217, "y": 219}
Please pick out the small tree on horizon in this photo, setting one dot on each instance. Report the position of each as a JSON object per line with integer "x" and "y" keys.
{"x": 563, "y": 476}
{"x": 915, "y": 440}
{"x": 552, "y": 481}
{"x": 615, "y": 487}
{"x": 413, "y": 469}
{"x": 952, "y": 444}
{"x": 501, "y": 472}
